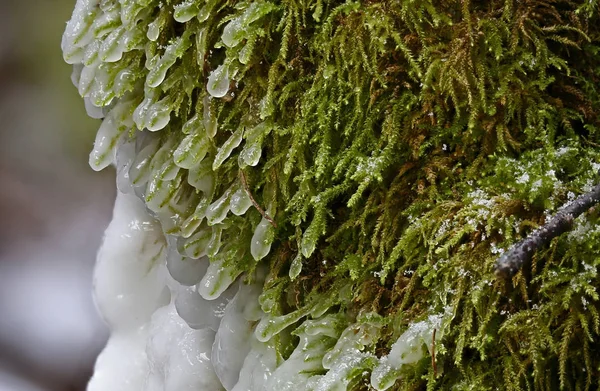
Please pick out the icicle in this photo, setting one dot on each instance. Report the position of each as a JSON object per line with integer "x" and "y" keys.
{"x": 112, "y": 48}
{"x": 218, "y": 82}
{"x": 124, "y": 81}
{"x": 271, "y": 325}
{"x": 93, "y": 111}
{"x": 107, "y": 138}
{"x": 353, "y": 340}
{"x": 141, "y": 111}
{"x": 200, "y": 46}
{"x": 86, "y": 79}
{"x": 195, "y": 219}
{"x": 217, "y": 278}
{"x": 260, "y": 245}
{"x": 172, "y": 52}
{"x": 240, "y": 202}
{"x": 191, "y": 150}
{"x": 258, "y": 366}
{"x": 185, "y": 11}
{"x": 139, "y": 172}
{"x": 246, "y": 52}
{"x": 209, "y": 118}
{"x": 232, "y": 142}
{"x": 124, "y": 155}
{"x": 158, "y": 116}
{"x": 344, "y": 371}
{"x": 195, "y": 246}
{"x": 100, "y": 92}
{"x": 105, "y": 23}
{"x": 193, "y": 125}
{"x": 129, "y": 275}
{"x": 214, "y": 244}
{"x": 236, "y": 30}
{"x": 308, "y": 245}
{"x": 79, "y": 30}
{"x": 232, "y": 342}
{"x": 156, "y": 26}
{"x": 187, "y": 271}
{"x": 200, "y": 313}
{"x": 76, "y": 74}
{"x": 217, "y": 211}
{"x": 296, "y": 267}
{"x": 203, "y": 177}
{"x": 251, "y": 153}
{"x": 158, "y": 195}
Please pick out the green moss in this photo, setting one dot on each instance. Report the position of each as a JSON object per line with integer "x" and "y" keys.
{"x": 398, "y": 147}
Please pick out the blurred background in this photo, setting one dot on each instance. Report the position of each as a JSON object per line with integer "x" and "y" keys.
{"x": 53, "y": 207}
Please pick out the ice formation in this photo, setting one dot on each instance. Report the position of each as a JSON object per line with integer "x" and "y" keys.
{"x": 170, "y": 279}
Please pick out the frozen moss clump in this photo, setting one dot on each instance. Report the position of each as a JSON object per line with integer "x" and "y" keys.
{"x": 354, "y": 169}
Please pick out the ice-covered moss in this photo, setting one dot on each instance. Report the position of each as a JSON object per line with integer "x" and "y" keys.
{"x": 373, "y": 158}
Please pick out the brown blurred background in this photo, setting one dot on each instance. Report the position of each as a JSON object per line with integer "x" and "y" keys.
{"x": 53, "y": 207}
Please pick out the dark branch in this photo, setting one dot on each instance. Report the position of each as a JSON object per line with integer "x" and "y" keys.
{"x": 512, "y": 260}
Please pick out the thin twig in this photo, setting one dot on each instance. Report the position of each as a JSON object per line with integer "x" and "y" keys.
{"x": 513, "y": 260}
{"x": 433, "y": 363}
{"x": 258, "y": 208}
